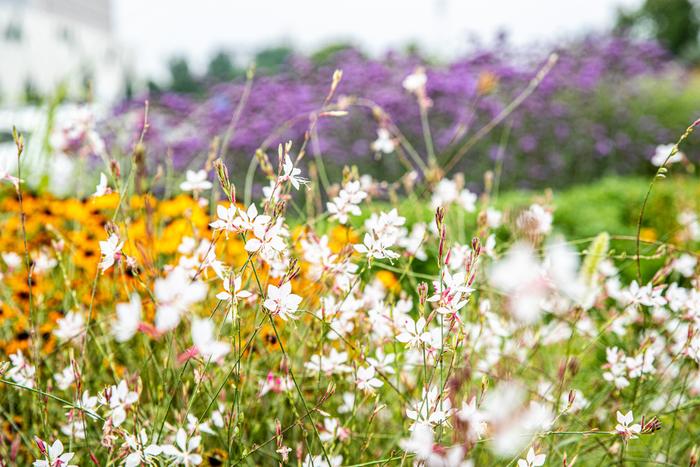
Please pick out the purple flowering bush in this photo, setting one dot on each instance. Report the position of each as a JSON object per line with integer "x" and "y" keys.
{"x": 590, "y": 116}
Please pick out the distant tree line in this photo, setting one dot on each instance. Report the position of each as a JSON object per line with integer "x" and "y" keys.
{"x": 673, "y": 23}
{"x": 222, "y": 68}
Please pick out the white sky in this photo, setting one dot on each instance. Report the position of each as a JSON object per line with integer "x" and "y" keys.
{"x": 154, "y": 30}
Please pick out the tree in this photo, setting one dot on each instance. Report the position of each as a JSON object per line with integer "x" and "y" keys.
{"x": 328, "y": 53}
{"x": 32, "y": 95}
{"x": 674, "y": 23}
{"x": 181, "y": 78}
{"x": 271, "y": 60}
{"x": 221, "y": 68}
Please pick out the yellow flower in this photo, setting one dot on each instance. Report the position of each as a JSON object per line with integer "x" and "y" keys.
{"x": 648, "y": 234}
{"x": 389, "y": 280}
{"x": 107, "y": 202}
{"x": 487, "y": 82}
{"x": 341, "y": 236}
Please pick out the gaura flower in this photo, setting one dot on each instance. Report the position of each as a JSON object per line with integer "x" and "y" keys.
{"x": 196, "y": 181}
{"x": 291, "y": 174}
{"x": 53, "y": 455}
{"x": 128, "y": 319}
{"x": 532, "y": 459}
{"x": 111, "y": 251}
{"x": 625, "y": 428}
{"x": 183, "y": 451}
{"x": 281, "y": 301}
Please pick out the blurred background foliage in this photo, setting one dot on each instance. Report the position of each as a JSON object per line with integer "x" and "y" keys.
{"x": 673, "y": 23}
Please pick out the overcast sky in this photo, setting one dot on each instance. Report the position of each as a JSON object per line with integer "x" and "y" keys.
{"x": 154, "y": 30}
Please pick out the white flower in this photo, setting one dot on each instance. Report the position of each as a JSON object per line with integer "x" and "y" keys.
{"x": 384, "y": 142}
{"x": 332, "y": 430}
{"x": 420, "y": 443}
{"x": 74, "y": 132}
{"x": 467, "y": 200}
{"x": 226, "y": 219}
{"x": 416, "y": 81}
{"x": 12, "y": 260}
{"x": 647, "y": 295}
{"x": 335, "y": 362}
{"x": 413, "y": 242}
{"x": 70, "y": 327}
{"x": 187, "y": 245}
{"x": 383, "y": 361}
{"x": 276, "y": 384}
{"x": 624, "y": 428}
{"x": 268, "y": 239}
{"x": 579, "y": 403}
{"x": 617, "y": 371}
{"x": 376, "y": 247}
{"x": 87, "y": 404}
{"x": 140, "y": 451}
{"x": 128, "y": 319}
{"x": 196, "y": 181}
{"x": 519, "y": 275}
{"x": 474, "y": 418}
{"x": 345, "y": 204}
{"x": 250, "y": 220}
{"x": 6, "y": 176}
{"x": 119, "y": 399}
{"x": 535, "y": 220}
{"x": 102, "y": 188}
{"x": 111, "y": 251}
{"x": 431, "y": 410}
{"x": 281, "y": 301}
{"x": 183, "y": 452}
{"x": 174, "y": 296}
{"x": 53, "y": 455}
{"x": 640, "y": 365}
{"x": 65, "y": 378}
{"x": 413, "y": 333}
{"x": 532, "y": 460}
{"x": 662, "y": 152}
{"x": 193, "y": 425}
{"x": 445, "y": 192}
{"x": 449, "y": 191}
{"x": 43, "y": 262}
{"x": 21, "y": 372}
{"x": 320, "y": 461}
{"x": 291, "y": 173}
{"x": 366, "y": 380}
{"x": 689, "y": 220}
{"x": 493, "y": 218}
{"x": 74, "y": 426}
{"x": 271, "y": 192}
{"x": 203, "y": 339}
{"x": 233, "y": 290}
{"x": 217, "y": 416}
{"x": 348, "y": 402}
{"x": 685, "y": 265}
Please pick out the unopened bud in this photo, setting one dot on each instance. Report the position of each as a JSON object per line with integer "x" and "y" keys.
{"x": 693, "y": 456}
{"x": 115, "y": 168}
{"x": 422, "y": 293}
{"x": 19, "y": 141}
{"x": 226, "y": 185}
{"x": 41, "y": 445}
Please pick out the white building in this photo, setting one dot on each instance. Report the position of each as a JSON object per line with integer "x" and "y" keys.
{"x": 48, "y": 43}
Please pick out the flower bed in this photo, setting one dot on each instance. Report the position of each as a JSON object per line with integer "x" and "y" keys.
{"x": 348, "y": 321}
